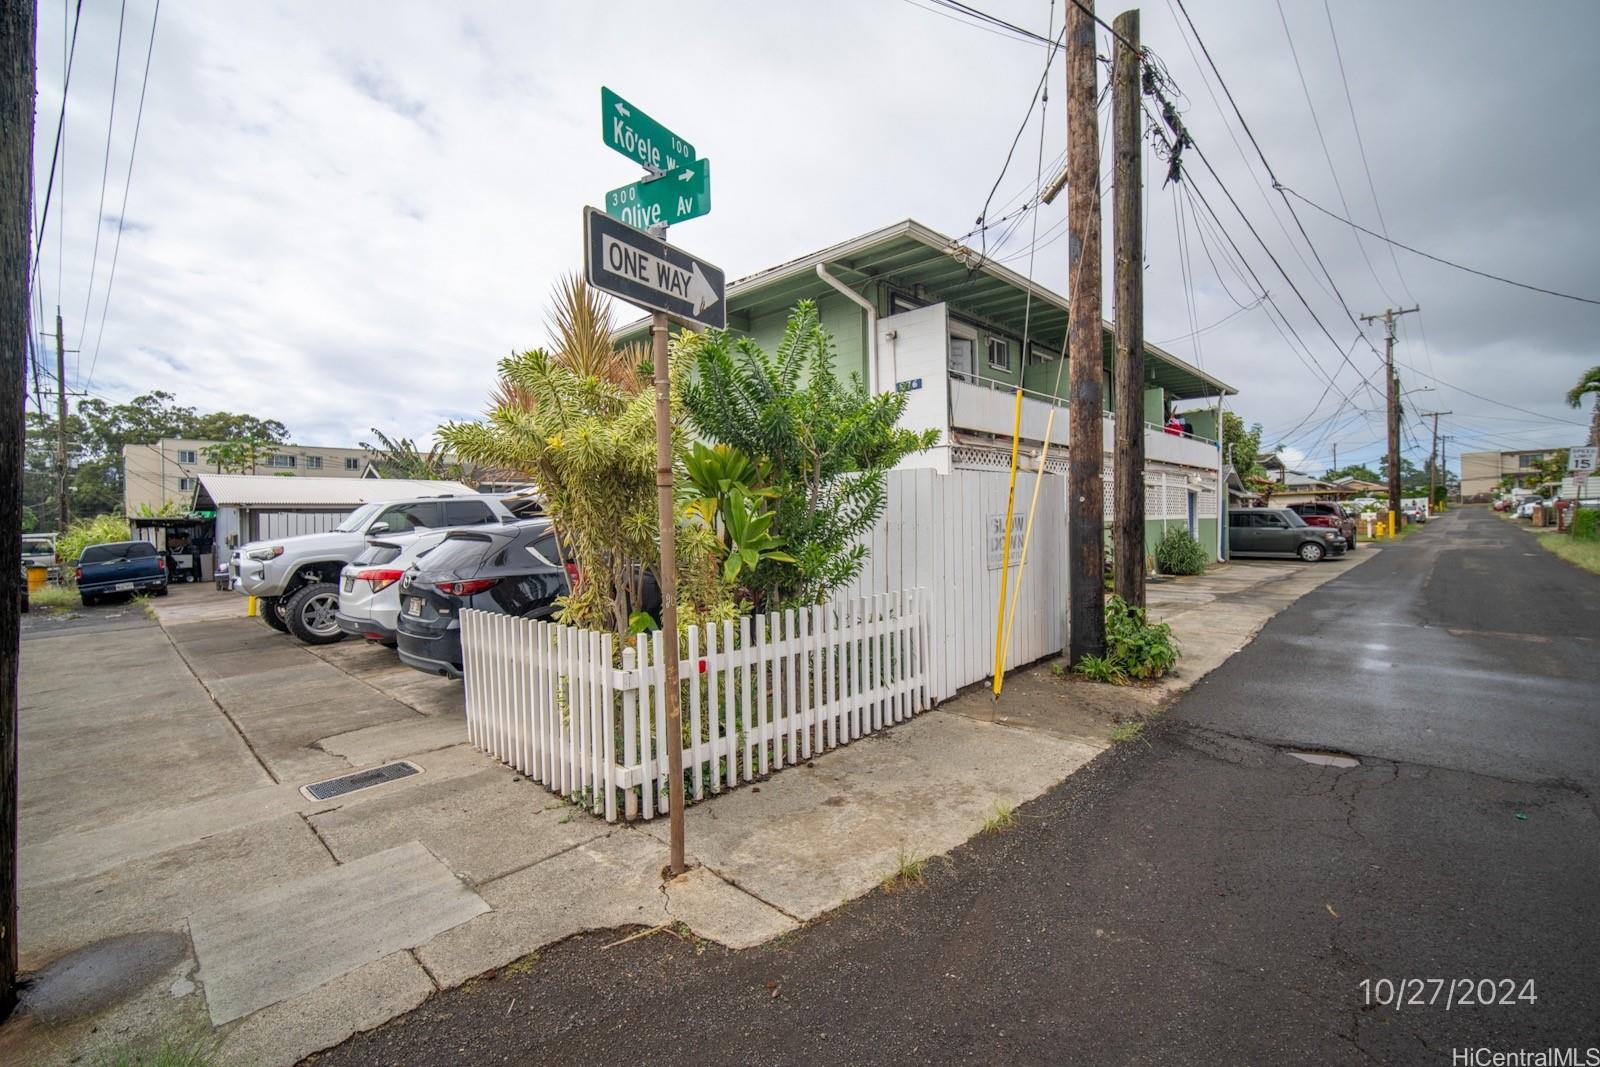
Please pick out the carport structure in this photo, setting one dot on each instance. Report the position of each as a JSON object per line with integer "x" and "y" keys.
{"x": 250, "y": 507}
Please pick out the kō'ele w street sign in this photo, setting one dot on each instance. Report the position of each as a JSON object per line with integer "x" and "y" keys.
{"x": 674, "y": 197}
{"x": 626, "y": 263}
{"x": 641, "y": 138}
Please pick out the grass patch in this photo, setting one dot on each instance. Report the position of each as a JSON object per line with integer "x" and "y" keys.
{"x": 1003, "y": 818}
{"x": 54, "y": 598}
{"x": 1579, "y": 553}
{"x": 909, "y": 870}
{"x": 200, "y": 1050}
{"x": 1131, "y": 730}
{"x": 522, "y": 966}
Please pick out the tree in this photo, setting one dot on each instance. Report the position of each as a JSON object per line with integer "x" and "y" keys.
{"x": 826, "y": 447}
{"x": 1359, "y": 471}
{"x": 578, "y": 420}
{"x": 97, "y": 433}
{"x": 1588, "y": 385}
{"x": 239, "y": 456}
{"x": 1242, "y": 449}
{"x": 400, "y": 457}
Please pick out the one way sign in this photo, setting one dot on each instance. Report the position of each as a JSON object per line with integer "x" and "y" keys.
{"x": 630, "y": 264}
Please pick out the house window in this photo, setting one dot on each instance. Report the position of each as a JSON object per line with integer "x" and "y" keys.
{"x": 313, "y": 463}
{"x": 351, "y": 463}
{"x": 281, "y": 460}
{"x": 999, "y": 354}
{"x": 899, "y": 302}
{"x": 1529, "y": 461}
{"x": 1038, "y": 354}
{"x": 185, "y": 484}
{"x": 186, "y": 455}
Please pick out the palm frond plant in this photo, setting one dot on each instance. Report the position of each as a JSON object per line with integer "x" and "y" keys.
{"x": 1588, "y": 385}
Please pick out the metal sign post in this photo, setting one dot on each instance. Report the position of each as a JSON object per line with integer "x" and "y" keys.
{"x": 641, "y": 268}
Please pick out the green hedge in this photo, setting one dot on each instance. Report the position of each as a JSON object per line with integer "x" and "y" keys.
{"x": 85, "y": 532}
{"x": 1586, "y": 524}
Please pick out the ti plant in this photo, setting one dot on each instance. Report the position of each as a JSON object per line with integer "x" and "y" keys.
{"x": 750, "y": 538}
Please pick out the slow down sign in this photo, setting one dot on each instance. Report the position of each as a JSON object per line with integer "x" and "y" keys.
{"x": 630, "y": 264}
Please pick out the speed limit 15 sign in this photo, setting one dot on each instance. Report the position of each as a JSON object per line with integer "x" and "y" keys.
{"x": 1582, "y": 460}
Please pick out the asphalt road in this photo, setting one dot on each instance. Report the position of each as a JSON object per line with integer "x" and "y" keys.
{"x": 1200, "y": 896}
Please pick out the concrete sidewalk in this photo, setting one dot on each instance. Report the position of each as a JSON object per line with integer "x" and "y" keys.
{"x": 163, "y": 823}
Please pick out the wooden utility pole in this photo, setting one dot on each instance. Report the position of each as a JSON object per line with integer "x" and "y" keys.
{"x": 1085, "y": 509}
{"x": 1393, "y": 394}
{"x": 16, "y": 212}
{"x": 63, "y": 514}
{"x": 1127, "y": 234}
{"x": 668, "y": 581}
{"x": 1433, "y": 454}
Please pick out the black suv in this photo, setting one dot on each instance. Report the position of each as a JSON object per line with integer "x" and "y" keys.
{"x": 510, "y": 570}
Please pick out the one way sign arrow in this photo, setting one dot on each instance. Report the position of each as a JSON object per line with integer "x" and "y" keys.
{"x": 636, "y": 267}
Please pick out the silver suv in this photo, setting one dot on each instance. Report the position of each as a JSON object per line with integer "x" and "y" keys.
{"x": 295, "y": 579}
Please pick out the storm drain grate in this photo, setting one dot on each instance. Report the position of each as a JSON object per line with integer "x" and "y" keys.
{"x": 349, "y": 783}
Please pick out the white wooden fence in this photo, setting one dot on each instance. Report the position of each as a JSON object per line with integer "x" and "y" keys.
{"x": 757, "y": 695}
{"x": 939, "y": 533}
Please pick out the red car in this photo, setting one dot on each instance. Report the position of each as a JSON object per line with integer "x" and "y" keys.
{"x": 1330, "y": 514}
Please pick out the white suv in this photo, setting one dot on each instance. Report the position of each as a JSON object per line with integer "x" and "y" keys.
{"x": 295, "y": 579}
{"x": 369, "y": 587}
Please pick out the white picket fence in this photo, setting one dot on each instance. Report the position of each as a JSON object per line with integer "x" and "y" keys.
{"x": 757, "y": 695}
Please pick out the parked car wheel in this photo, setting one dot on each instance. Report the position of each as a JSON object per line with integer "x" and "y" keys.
{"x": 89, "y": 601}
{"x": 312, "y": 613}
{"x": 1312, "y": 552}
{"x": 270, "y": 608}
{"x": 161, "y": 591}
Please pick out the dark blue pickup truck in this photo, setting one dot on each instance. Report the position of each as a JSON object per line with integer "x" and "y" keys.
{"x": 121, "y": 567}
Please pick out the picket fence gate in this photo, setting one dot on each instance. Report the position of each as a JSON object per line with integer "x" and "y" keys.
{"x": 757, "y": 695}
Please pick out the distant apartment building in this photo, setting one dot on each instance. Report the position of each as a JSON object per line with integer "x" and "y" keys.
{"x": 1481, "y": 472}
{"x": 154, "y": 475}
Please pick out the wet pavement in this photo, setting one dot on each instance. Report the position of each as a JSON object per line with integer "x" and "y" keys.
{"x": 1199, "y": 895}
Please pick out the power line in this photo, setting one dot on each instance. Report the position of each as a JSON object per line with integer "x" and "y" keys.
{"x": 1270, "y": 173}
{"x": 1316, "y": 123}
{"x": 1428, "y": 255}
{"x": 105, "y": 171}
{"x": 55, "y": 152}
{"x": 122, "y": 215}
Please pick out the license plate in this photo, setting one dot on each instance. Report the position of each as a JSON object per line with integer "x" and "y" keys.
{"x": 414, "y": 606}
{"x": 123, "y": 587}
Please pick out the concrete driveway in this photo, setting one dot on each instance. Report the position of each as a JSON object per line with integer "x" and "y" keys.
{"x": 175, "y": 877}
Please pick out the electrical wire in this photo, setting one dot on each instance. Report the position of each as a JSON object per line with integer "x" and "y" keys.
{"x": 55, "y": 152}
{"x": 1437, "y": 259}
{"x": 105, "y": 172}
{"x": 122, "y": 214}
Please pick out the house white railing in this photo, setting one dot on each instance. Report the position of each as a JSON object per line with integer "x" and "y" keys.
{"x": 757, "y": 695}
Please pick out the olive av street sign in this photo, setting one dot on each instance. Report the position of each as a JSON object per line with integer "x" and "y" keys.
{"x": 641, "y": 138}
{"x": 674, "y": 197}
{"x": 626, "y": 263}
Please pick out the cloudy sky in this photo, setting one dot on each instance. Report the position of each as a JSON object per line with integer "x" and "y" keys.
{"x": 341, "y": 215}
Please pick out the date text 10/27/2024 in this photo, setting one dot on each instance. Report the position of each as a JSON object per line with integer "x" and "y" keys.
{"x": 1446, "y": 993}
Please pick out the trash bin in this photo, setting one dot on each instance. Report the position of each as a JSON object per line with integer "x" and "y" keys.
{"x": 37, "y": 577}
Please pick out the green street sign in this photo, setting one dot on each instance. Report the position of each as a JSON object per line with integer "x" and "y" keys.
{"x": 641, "y": 138}
{"x": 684, "y": 193}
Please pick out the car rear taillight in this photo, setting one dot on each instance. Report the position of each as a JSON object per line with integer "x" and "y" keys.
{"x": 77, "y": 574}
{"x": 572, "y": 573}
{"x": 466, "y": 588}
{"x": 161, "y": 563}
{"x": 380, "y": 579}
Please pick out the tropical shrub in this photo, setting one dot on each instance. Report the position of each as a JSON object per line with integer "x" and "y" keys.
{"x": 824, "y": 448}
{"x": 1136, "y": 649}
{"x": 85, "y": 532}
{"x": 1178, "y": 552}
{"x": 578, "y": 420}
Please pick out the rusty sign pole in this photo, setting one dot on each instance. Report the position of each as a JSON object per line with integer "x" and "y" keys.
{"x": 668, "y": 580}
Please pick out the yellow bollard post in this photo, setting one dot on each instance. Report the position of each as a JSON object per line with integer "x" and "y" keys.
{"x": 250, "y": 607}
{"x": 1391, "y": 524}
{"x": 1005, "y": 553}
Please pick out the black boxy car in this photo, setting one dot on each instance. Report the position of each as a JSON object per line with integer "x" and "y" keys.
{"x": 1280, "y": 532}
{"x": 511, "y": 570}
